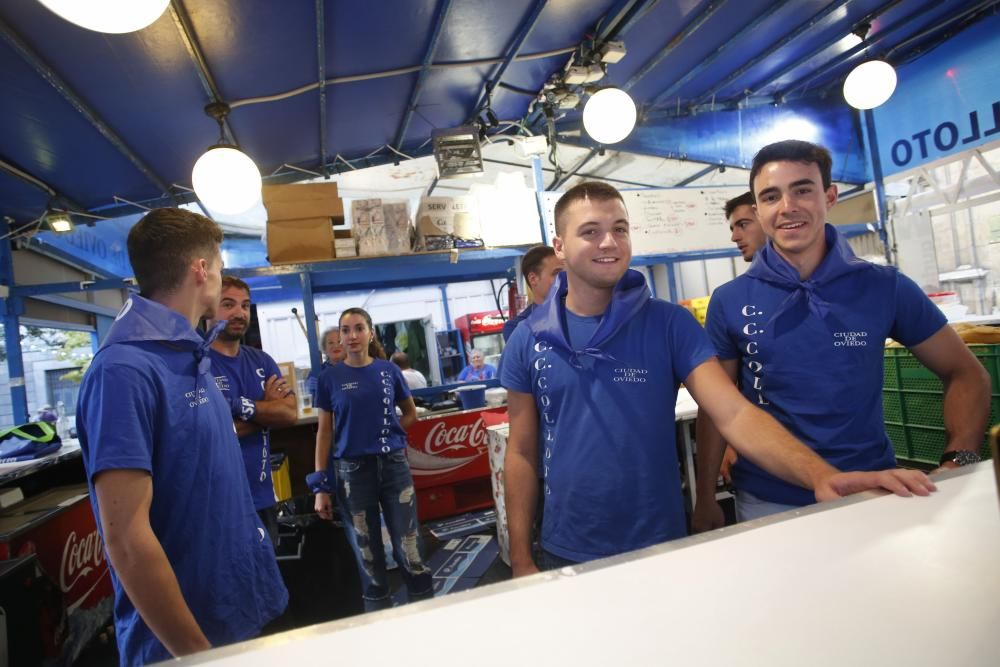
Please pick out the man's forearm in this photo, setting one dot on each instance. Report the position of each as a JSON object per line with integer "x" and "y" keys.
{"x": 276, "y": 413}
{"x": 966, "y": 409}
{"x": 151, "y": 585}
{"x": 758, "y": 436}
{"x": 710, "y": 450}
{"x": 520, "y": 498}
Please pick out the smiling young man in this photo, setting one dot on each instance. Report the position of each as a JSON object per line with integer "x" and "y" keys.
{"x": 745, "y": 231}
{"x": 593, "y": 376}
{"x": 190, "y": 562}
{"x": 803, "y": 329}
{"x": 258, "y": 395}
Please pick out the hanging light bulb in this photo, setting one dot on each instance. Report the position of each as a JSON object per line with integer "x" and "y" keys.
{"x": 870, "y": 84}
{"x": 225, "y": 179}
{"x": 113, "y": 16}
{"x": 609, "y": 115}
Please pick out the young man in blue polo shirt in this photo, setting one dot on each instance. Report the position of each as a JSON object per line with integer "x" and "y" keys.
{"x": 191, "y": 564}
{"x": 257, "y": 394}
{"x": 593, "y": 374}
{"x": 804, "y": 328}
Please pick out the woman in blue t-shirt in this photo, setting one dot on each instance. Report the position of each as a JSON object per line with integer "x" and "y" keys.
{"x": 367, "y": 468}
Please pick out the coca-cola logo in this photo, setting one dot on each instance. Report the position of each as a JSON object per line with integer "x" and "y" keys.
{"x": 490, "y": 320}
{"x": 80, "y": 558}
{"x": 442, "y": 438}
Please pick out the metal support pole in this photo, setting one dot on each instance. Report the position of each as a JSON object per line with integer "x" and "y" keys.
{"x": 879, "y": 185}
{"x": 672, "y": 281}
{"x": 539, "y": 178}
{"x": 11, "y": 307}
{"x": 309, "y": 310}
{"x": 444, "y": 304}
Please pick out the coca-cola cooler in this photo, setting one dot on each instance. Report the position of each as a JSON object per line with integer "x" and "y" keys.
{"x": 483, "y": 332}
{"x": 449, "y": 461}
{"x": 58, "y": 527}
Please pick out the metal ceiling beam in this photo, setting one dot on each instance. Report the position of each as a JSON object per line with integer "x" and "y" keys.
{"x": 748, "y": 29}
{"x": 683, "y": 157}
{"x": 696, "y": 175}
{"x": 770, "y": 79}
{"x": 794, "y": 33}
{"x": 512, "y": 49}
{"x": 587, "y": 176}
{"x": 321, "y": 66}
{"x": 42, "y": 68}
{"x": 557, "y": 182}
{"x": 675, "y": 42}
{"x": 904, "y": 22}
{"x": 186, "y": 30}
{"x": 38, "y": 183}
{"x": 440, "y": 17}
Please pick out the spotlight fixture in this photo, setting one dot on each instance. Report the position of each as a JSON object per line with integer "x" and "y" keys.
{"x": 60, "y": 223}
{"x": 111, "y": 16}
{"x": 609, "y": 115}
{"x": 457, "y": 151}
{"x": 225, "y": 179}
{"x": 870, "y": 84}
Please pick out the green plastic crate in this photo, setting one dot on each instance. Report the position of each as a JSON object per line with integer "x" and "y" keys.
{"x": 912, "y": 398}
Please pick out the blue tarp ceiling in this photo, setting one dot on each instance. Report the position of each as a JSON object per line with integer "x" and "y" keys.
{"x": 88, "y": 120}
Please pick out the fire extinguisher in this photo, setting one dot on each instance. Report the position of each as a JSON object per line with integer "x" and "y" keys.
{"x": 512, "y": 300}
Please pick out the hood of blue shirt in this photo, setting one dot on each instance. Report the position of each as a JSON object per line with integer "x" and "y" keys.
{"x": 548, "y": 322}
{"x": 771, "y": 267}
{"x": 142, "y": 320}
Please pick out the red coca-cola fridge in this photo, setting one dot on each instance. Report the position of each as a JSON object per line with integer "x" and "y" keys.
{"x": 484, "y": 332}
{"x": 449, "y": 462}
{"x": 58, "y": 527}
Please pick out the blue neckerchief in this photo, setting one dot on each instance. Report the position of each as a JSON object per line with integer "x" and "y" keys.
{"x": 548, "y": 322}
{"x": 142, "y": 320}
{"x": 771, "y": 267}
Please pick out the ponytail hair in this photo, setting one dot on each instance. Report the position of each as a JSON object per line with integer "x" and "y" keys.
{"x": 375, "y": 349}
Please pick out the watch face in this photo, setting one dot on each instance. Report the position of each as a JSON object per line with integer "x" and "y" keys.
{"x": 965, "y": 457}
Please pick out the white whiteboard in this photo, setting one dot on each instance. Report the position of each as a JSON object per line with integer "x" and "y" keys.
{"x": 670, "y": 220}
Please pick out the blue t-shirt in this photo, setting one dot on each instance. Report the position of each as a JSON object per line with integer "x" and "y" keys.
{"x": 470, "y": 374}
{"x": 149, "y": 402}
{"x": 818, "y": 367}
{"x": 244, "y": 375}
{"x": 511, "y": 324}
{"x": 363, "y": 402}
{"x": 607, "y": 427}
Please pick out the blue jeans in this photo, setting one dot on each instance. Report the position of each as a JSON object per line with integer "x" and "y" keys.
{"x": 750, "y": 507}
{"x": 365, "y": 484}
{"x": 549, "y": 561}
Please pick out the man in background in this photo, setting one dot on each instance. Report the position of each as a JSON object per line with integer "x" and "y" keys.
{"x": 190, "y": 561}
{"x": 258, "y": 396}
{"x": 414, "y": 378}
{"x": 539, "y": 266}
{"x": 477, "y": 370}
{"x": 745, "y": 230}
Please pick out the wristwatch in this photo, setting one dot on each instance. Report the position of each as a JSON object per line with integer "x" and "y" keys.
{"x": 961, "y": 457}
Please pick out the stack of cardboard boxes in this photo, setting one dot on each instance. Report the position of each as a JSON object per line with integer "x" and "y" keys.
{"x": 305, "y": 223}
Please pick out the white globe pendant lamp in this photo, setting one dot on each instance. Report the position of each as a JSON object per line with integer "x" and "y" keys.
{"x": 870, "y": 84}
{"x": 113, "y": 16}
{"x": 225, "y": 179}
{"x": 609, "y": 115}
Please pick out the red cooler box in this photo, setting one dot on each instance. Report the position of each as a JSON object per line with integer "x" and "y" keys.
{"x": 448, "y": 458}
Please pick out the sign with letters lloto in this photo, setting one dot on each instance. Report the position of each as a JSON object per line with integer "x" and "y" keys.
{"x": 946, "y": 102}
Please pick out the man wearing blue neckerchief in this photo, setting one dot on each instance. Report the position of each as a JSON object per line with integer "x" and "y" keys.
{"x": 191, "y": 564}
{"x": 593, "y": 376}
{"x": 803, "y": 329}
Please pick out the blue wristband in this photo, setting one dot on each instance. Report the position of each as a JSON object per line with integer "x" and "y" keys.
{"x": 319, "y": 482}
{"x": 243, "y": 408}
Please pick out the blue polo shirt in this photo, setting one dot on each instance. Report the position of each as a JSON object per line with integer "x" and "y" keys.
{"x": 605, "y": 390}
{"x": 149, "y": 402}
{"x": 244, "y": 375}
{"x": 363, "y": 402}
{"x": 811, "y": 354}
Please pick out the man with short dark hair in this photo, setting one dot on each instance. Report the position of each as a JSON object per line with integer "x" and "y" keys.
{"x": 803, "y": 329}
{"x": 539, "y": 266}
{"x": 744, "y": 229}
{"x": 190, "y": 562}
{"x": 258, "y": 396}
{"x": 596, "y": 370}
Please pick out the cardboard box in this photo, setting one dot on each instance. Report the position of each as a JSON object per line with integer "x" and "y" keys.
{"x": 302, "y": 240}
{"x": 304, "y": 200}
